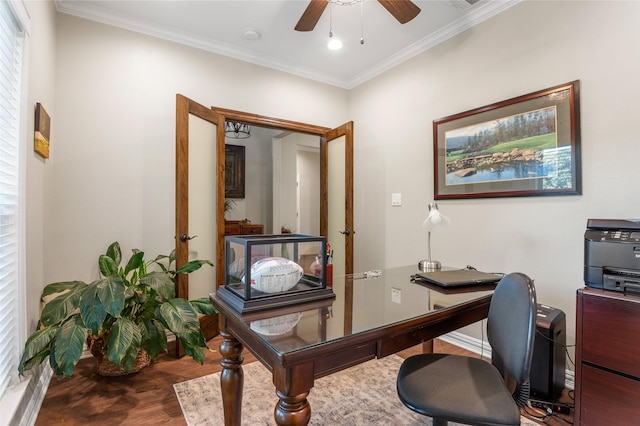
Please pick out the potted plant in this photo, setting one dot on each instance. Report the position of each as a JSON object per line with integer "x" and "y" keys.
{"x": 123, "y": 316}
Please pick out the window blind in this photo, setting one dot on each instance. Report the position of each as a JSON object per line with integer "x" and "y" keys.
{"x": 10, "y": 84}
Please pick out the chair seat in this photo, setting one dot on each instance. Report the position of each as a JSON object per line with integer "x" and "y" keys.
{"x": 456, "y": 388}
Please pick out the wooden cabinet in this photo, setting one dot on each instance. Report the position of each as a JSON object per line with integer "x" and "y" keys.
{"x": 240, "y": 227}
{"x": 607, "y": 358}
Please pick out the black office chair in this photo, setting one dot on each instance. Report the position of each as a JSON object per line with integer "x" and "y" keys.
{"x": 470, "y": 390}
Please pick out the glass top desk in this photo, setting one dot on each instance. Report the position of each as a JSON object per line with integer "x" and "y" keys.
{"x": 369, "y": 318}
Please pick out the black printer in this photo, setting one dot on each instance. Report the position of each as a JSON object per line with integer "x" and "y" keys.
{"x": 612, "y": 254}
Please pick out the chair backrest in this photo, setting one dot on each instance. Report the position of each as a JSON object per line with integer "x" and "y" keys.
{"x": 511, "y": 328}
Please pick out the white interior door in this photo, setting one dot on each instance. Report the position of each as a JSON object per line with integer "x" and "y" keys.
{"x": 338, "y": 209}
{"x": 202, "y": 204}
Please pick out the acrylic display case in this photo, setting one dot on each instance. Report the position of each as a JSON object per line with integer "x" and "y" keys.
{"x": 272, "y": 271}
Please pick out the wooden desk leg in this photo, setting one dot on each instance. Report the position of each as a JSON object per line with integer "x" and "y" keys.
{"x": 293, "y": 385}
{"x": 292, "y": 410}
{"x": 427, "y": 347}
{"x": 231, "y": 379}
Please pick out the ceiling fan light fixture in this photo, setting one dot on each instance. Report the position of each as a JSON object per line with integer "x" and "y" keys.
{"x": 334, "y": 44}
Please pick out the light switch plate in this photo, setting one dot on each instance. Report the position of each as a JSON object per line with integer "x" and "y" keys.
{"x": 396, "y": 295}
{"x": 396, "y": 199}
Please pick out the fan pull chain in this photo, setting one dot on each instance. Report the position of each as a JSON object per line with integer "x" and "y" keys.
{"x": 330, "y": 19}
{"x": 362, "y": 22}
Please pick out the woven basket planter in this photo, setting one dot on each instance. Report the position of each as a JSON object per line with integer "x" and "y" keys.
{"x": 107, "y": 368}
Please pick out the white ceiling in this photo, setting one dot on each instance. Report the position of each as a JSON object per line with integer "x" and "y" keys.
{"x": 218, "y": 26}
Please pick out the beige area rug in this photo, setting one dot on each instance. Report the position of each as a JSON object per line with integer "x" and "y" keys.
{"x": 363, "y": 395}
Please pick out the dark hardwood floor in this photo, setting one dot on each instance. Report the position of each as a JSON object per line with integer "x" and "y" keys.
{"x": 148, "y": 397}
{"x": 143, "y": 398}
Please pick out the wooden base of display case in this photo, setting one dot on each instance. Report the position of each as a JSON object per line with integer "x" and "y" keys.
{"x": 287, "y": 299}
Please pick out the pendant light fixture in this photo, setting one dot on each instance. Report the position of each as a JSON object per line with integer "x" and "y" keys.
{"x": 237, "y": 130}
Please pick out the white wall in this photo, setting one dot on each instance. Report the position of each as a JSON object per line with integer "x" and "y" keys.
{"x": 114, "y": 157}
{"x": 531, "y": 46}
{"x": 40, "y": 191}
{"x": 296, "y": 155}
{"x": 308, "y": 165}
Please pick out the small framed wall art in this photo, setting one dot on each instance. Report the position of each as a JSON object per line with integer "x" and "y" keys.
{"x": 234, "y": 171}
{"x": 42, "y": 131}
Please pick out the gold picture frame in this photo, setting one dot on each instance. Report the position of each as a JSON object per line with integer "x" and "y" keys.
{"x": 42, "y": 125}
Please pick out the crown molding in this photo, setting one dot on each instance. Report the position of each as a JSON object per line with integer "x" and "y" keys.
{"x": 94, "y": 13}
{"x": 480, "y": 13}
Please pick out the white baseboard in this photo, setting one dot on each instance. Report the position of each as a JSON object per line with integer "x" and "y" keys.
{"x": 483, "y": 348}
{"x": 468, "y": 343}
{"x": 569, "y": 379}
{"x": 22, "y": 401}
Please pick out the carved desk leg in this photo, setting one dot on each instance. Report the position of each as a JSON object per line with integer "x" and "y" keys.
{"x": 231, "y": 379}
{"x": 293, "y": 385}
{"x": 292, "y": 410}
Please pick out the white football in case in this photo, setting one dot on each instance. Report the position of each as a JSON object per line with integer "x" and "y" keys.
{"x": 275, "y": 274}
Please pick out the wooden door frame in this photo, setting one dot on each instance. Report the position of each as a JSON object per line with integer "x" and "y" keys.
{"x": 184, "y": 108}
{"x": 219, "y": 116}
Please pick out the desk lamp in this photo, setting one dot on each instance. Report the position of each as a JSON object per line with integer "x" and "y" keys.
{"x": 434, "y": 221}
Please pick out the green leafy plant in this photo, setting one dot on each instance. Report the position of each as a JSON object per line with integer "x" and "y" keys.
{"x": 128, "y": 308}
{"x": 229, "y": 205}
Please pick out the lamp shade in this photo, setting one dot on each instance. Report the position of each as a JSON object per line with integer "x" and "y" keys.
{"x": 435, "y": 220}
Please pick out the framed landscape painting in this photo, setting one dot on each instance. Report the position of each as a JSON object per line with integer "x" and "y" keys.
{"x": 525, "y": 146}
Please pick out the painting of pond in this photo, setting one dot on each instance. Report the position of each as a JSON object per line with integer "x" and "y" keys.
{"x": 521, "y": 146}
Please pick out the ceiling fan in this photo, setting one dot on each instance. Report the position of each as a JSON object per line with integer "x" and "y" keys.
{"x": 402, "y": 10}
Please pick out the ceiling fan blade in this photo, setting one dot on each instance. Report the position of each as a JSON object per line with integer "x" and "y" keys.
{"x": 311, "y": 15}
{"x": 402, "y": 10}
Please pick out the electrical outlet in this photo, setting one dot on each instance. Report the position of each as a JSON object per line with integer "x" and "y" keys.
{"x": 396, "y": 199}
{"x": 396, "y": 295}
